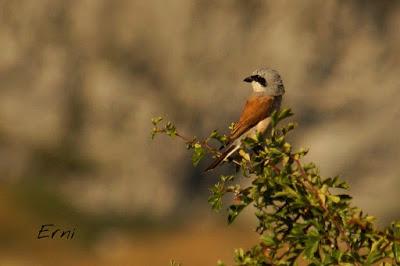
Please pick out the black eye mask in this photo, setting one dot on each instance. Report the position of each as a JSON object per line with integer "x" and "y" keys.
{"x": 259, "y": 79}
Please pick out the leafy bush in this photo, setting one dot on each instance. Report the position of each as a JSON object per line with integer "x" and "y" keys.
{"x": 299, "y": 218}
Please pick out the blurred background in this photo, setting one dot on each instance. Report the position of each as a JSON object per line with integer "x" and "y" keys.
{"x": 80, "y": 81}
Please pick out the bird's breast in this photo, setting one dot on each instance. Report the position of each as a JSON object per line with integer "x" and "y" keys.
{"x": 262, "y": 126}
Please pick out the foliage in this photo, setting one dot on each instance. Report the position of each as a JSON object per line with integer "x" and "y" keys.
{"x": 299, "y": 218}
{"x": 174, "y": 263}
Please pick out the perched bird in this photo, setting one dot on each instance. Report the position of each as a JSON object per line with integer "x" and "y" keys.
{"x": 255, "y": 118}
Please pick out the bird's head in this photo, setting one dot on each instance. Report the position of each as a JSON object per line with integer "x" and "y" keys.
{"x": 266, "y": 80}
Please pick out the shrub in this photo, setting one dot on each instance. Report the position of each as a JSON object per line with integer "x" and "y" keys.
{"x": 299, "y": 217}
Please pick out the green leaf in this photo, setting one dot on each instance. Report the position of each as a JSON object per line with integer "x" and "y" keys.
{"x": 174, "y": 263}
{"x": 297, "y": 231}
{"x": 375, "y": 253}
{"x": 215, "y": 199}
{"x": 287, "y": 191}
{"x": 170, "y": 129}
{"x": 221, "y": 138}
{"x": 337, "y": 256}
{"x": 335, "y": 199}
{"x": 286, "y": 147}
{"x": 274, "y": 118}
{"x": 268, "y": 240}
{"x": 336, "y": 183}
{"x": 396, "y": 251}
{"x": 244, "y": 155}
{"x": 344, "y": 197}
{"x": 396, "y": 229}
{"x": 311, "y": 245}
{"x": 220, "y": 263}
{"x": 156, "y": 120}
{"x": 233, "y": 211}
{"x": 285, "y": 113}
{"x": 370, "y": 218}
{"x": 153, "y": 133}
{"x": 274, "y": 151}
{"x": 289, "y": 127}
{"x": 226, "y": 178}
{"x": 198, "y": 154}
{"x": 239, "y": 253}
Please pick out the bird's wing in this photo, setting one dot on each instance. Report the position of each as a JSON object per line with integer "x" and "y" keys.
{"x": 256, "y": 109}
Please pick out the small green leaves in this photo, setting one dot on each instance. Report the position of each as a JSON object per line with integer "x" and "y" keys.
{"x": 375, "y": 253}
{"x": 244, "y": 155}
{"x": 335, "y": 182}
{"x": 215, "y": 199}
{"x": 253, "y": 257}
{"x": 311, "y": 245}
{"x": 276, "y": 117}
{"x": 174, "y": 263}
{"x": 198, "y": 154}
{"x": 218, "y": 191}
{"x": 289, "y": 127}
{"x": 156, "y": 120}
{"x": 226, "y": 178}
{"x": 285, "y": 113}
{"x": 268, "y": 240}
{"x": 243, "y": 197}
{"x": 220, "y": 263}
{"x": 298, "y": 215}
{"x": 394, "y": 232}
{"x": 169, "y": 128}
{"x": 233, "y": 211}
{"x": 287, "y": 192}
{"x": 153, "y": 133}
{"x": 302, "y": 152}
{"x": 395, "y": 228}
{"x": 222, "y": 139}
{"x": 334, "y": 198}
{"x": 396, "y": 251}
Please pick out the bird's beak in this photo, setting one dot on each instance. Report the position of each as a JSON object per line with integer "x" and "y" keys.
{"x": 248, "y": 79}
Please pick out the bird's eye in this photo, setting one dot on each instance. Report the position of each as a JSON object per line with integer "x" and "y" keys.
{"x": 260, "y": 80}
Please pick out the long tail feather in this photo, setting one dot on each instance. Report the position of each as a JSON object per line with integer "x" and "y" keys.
{"x": 221, "y": 158}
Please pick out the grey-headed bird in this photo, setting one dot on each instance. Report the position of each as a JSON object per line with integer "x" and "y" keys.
{"x": 266, "y": 97}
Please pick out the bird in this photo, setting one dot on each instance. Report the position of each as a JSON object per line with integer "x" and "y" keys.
{"x": 266, "y": 98}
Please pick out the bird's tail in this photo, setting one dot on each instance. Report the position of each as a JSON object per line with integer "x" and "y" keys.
{"x": 231, "y": 149}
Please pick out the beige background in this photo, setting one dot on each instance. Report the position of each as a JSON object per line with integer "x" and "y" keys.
{"x": 80, "y": 80}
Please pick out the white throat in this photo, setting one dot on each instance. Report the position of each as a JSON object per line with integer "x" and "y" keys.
{"x": 257, "y": 87}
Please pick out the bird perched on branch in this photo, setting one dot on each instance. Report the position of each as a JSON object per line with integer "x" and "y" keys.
{"x": 266, "y": 97}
